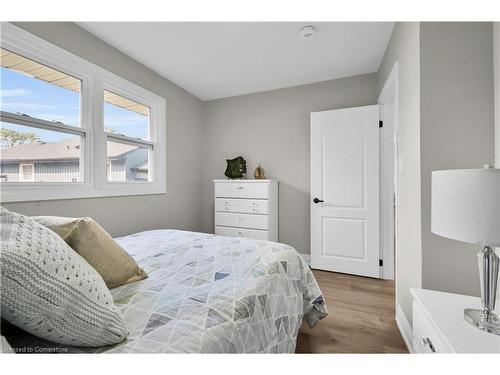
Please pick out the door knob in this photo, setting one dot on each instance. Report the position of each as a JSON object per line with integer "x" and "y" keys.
{"x": 316, "y": 200}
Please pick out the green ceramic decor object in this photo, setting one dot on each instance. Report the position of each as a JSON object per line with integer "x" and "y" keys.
{"x": 236, "y": 168}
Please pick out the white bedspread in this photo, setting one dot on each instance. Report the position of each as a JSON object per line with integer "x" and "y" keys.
{"x": 214, "y": 294}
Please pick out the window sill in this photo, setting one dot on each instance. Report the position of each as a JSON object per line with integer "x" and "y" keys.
{"x": 35, "y": 192}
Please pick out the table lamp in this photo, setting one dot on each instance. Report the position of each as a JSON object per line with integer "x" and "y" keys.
{"x": 466, "y": 207}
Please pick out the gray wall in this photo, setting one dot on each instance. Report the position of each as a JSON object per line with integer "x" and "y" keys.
{"x": 273, "y": 128}
{"x": 446, "y": 121}
{"x": 181, "y": 206}
{"x": 496, "y": 51}
{"x": 496, "y": 61}
{"x": 404, "y": 47}
{"x": 456, "y": 131}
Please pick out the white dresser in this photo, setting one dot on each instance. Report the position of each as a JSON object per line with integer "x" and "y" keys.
{"x": 246, "y": 208}
{"x": 439, "y": 325}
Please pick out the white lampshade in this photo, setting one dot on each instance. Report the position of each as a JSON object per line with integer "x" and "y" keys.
{"x": 466, "y": 205}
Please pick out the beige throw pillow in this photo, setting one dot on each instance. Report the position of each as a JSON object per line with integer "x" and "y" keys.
{"x": 97, "y": 247}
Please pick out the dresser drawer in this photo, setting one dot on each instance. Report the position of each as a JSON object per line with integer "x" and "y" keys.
{"x": 255, "y": 206}
{"x": 239, "y": 232}
{"x": 425, "y": 337}
{"x": 241, "y": 190}
{"x": 241, "y": 205}
{"x": 241, "y": 220}
{"x": 227, "y": 205}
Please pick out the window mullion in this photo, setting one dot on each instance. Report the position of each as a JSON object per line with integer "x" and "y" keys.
{"x": 86, "y": 109}
{"x": 99, "y": 138}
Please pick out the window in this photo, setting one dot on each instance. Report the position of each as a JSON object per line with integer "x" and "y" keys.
{"x": 27, "y": 172}
{"x": 128, "y": 149}
{"x": 40, "y": 122}
{"x": 126, "y": 117}
{"x": 127, "y": 162}
{"x": 55, "y": 154}
{"x": 38, "y": 91}
{"x": 69, "y": 129}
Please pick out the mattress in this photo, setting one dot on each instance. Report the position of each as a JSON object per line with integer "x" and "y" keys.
{"x": 209, "y": 294}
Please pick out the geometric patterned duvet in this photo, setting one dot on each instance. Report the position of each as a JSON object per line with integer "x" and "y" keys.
{"x": 214, "y": 294}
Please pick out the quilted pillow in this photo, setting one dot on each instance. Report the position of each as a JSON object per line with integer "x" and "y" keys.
{"x": 50, "y": 291}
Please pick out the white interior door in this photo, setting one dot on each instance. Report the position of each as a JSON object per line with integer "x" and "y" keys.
{"x": 345, "y": 190}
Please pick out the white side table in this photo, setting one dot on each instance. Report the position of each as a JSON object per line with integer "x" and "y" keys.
{"x": 439, "y": 325}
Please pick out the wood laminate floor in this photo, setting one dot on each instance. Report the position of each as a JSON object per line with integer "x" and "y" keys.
{"x": 360, "y": 320}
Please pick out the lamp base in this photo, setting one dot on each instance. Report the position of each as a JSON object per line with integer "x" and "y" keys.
{"x": 484, "y": 320}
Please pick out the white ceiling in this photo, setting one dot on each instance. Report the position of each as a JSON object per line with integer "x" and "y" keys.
{"x": 216, "y": 60}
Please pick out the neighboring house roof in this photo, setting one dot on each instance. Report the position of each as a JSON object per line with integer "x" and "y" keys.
{"x": 63, "y": 150}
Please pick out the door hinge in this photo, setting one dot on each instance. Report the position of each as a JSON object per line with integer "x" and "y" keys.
{"x": 380, "y": 124}
{"x": 380, "y": 262}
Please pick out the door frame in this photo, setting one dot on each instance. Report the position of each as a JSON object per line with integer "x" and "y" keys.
{"x": 389, "y": 253}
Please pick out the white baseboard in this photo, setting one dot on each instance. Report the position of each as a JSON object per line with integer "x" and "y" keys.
{"x": 405, "y": 328}
{"x": 307, "y": 258}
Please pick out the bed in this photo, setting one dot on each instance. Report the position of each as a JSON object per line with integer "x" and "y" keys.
{"x": 208, "y": 294}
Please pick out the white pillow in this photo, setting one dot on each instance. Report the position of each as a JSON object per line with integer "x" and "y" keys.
{"x": 50, "y": 291}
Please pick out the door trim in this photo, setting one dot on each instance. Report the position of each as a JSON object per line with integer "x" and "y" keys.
{"x": 405, "y": 328}
{"x": 389, "y": 252}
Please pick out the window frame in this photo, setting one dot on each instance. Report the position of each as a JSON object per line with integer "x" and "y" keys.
{"x": 21, "y": 172}
{"x": 93, "y": 157}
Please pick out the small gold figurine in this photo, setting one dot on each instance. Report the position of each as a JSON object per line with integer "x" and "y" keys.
{"x": 260, "y": 173}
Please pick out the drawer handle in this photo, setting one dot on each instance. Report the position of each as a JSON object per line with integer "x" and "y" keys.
{"x": 239, "y": 187}
{"x": 240, "y": 218}
{"x": 427, "y": 341}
